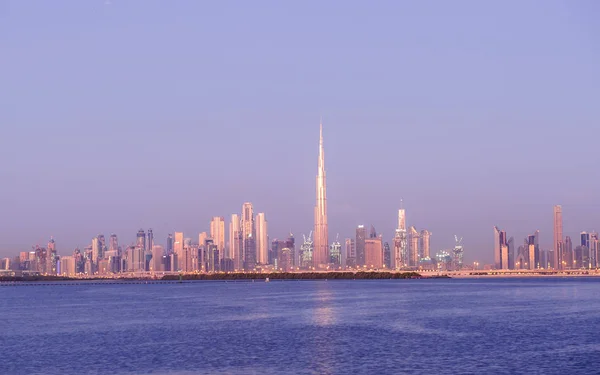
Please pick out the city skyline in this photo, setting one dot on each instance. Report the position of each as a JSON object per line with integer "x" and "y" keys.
{"x": 100, "y": 137}
{"x": 410, "y": 246}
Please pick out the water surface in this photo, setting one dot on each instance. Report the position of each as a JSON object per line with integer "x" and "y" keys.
{"x": 533, "y": 325}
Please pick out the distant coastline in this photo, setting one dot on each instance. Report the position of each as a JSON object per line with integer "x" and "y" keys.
{"x": 237, "y": 276}
{"x": 281, "y": 276}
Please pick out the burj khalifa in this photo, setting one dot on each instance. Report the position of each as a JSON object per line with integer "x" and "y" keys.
{"x": 321, "y": 237}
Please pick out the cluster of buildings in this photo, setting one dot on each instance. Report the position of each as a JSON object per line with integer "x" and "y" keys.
{"x": 246, "y": 246}
{"x": 563, "y": 254}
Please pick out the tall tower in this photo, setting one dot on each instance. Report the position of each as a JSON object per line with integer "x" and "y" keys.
{"x": 413, "y": 240}
{"x": 113, "y": 244}
{"x": 400, "y": 242}
{"x": 217, "y": 233}
{"x": 247, "y": 224}
{"x": 141, "y": 239}
{"x": 170, "y": 244}
{"x": 234, "y": 230}
{"x": 150, "y": 243}
{"x": 425, "y": 234}
{"x": 361, "y": 235}
{"x": 321, "y": 239}
{"x": 262, "y": 239}
{"x": 178, "y": 250}
{"x": 402, "y": 219}
{"x": 497, "y": 254}
{"x": 558, "y": 238}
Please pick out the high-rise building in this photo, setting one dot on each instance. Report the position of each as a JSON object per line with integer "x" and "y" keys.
{"x": 424, "y": 248}
{"x": 361, "y": 235}
{"x": 248, "y": 229}
{"x": 401, "y": 258}
{"x": 249, "y": 253}
{"x": 157, "y": 258}
{"x": 374, "y": 253}
{"x": 217, "y": 233}
{"x": 141, "y": 239}
{"x": 568, "y": 257}
{"x": 150, "y": 243}
{"x": 350, "y": 253}
{"x": 387, "y": 256}
{"x": 202, "y": 237}
{"x": 585, "y": 250}
{"x": 52, "y": 257}
{"x": 234, "y": 231}
{"x": 262, "y": 239}
{"x": 402, "y": 219}
{"x": 335, "y": 253}
{"x": 102, "y": 241}
{"x": 321, "y": 234}
{"x": 247, "y": 220}
{"x": 96, "y": 250}
{"x": 178, "y": 245}
{"x": 275, "y": 252}
{"x": 497, "y": 253}
{"x": 113, "y": 244}
{"x": 558, "y": 238}
{"x": 170, "y": 244}
{"x": 285, "y": 263}
{"x": 511, "y": 253}
{"x": 306, "y": 253}
{"x": 594, "y": 242}
{"x": 413, "y": 246}
{"x": 290, "y": 244}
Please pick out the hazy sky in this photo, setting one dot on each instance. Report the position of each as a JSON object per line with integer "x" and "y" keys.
{"x": 122, "y": 115}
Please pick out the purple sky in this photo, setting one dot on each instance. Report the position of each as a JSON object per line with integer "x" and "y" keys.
{"x": 161, "y": 114}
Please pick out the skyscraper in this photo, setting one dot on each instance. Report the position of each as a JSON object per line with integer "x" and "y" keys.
{"x": 425, "y": 253}
{"x": 400, "y": 242}
{"x": 321, "y": 235}
{"x": 150, "y": 243}
{"x": 497, "y": 254}
{"x": 141, "y": 239}
{"x": 157, "y": 258}
{"x": 290, "y": 243}
{"x": 594, "y": 250}
{"x": 234, "y": 248}
{"x": 113, "y": 244}
{"x": 249, "y": 253}
{"x": 52, "y": 257}
{"x": 247, "y": 224}
{"x": 350, "y": 257}
{"x": 170, "y": 244}
{"x": 178, "y": 251}
{"x": 413, "y": 245}
{"x": 217, "y": 233}
{"x": 335, "y": 253}
{"x": 262, "y": 239}
{"x": 96, "y": 250}
{"x": 558, "y": 238}
{"x": 374, "y": 252}
{"x": 361, "y": 234}
{"x": 402, "y": 219}
{"x": 568, "y": 257}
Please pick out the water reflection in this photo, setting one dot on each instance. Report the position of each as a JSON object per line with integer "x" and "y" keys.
{"x": 323, "y": 316}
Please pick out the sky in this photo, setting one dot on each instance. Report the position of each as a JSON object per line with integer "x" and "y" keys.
{"x": 120, "y": 115}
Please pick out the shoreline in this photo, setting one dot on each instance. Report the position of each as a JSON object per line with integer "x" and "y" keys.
{"x": 239, "y": 276}
{"x": 280, "y": 276}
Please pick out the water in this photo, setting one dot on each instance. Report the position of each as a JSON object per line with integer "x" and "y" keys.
{"x": 536, "y": 325}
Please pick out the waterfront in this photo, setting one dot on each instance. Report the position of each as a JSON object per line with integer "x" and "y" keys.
{"x": 447, "y": 326}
